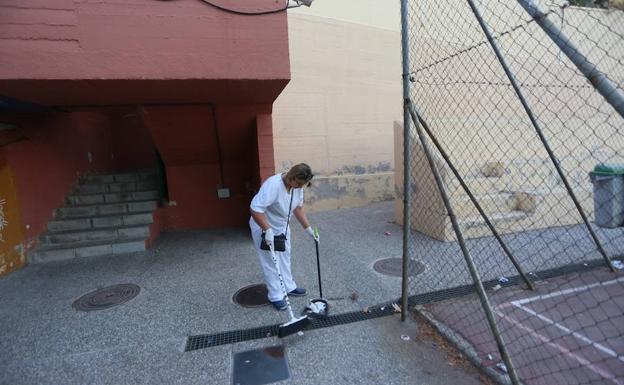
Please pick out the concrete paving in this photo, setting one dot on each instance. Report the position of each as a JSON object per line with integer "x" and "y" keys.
{"x": 187, "y": 282}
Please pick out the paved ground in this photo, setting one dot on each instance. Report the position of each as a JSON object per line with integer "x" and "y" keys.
{"x": 187, "y": 282}
{"x": 568, "y": 331}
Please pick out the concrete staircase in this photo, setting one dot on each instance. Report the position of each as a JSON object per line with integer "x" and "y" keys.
{"x": 496, "y": 198}
{"x": 105, "y": 214}
{"x": 511, "y": 207}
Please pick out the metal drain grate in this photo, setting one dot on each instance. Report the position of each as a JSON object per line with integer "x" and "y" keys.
{"x": 106, "y": 297}
{"x": 209, "y": 340}
{"x": 514, "y": 280}
{"x": 394, "y": 267}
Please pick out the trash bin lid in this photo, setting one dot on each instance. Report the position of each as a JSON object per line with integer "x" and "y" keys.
{"x": 609, "y": 169}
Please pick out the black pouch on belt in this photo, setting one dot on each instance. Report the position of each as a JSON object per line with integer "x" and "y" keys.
{"x": 279, "y": 243}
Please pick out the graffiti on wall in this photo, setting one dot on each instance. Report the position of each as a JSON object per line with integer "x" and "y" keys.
{"x": 3, "y": 221}
{"x": 11, "y": 237}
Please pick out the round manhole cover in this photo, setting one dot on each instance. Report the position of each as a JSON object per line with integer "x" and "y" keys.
{"x": 393, "y": 267}
{"x": 252, "y": 296}
{"x": 106, "y": 297}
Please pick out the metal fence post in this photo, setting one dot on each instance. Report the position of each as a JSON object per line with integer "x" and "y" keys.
{"x": 406, "y": 157}
{"x": 529, "y": 112}
{"x": 613, "y": 95}
{"x": 489, "y": 223}
{"x": 485, "y": 303}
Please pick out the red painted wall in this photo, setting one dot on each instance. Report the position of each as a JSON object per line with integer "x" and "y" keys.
{"x": 54, "y": 151}
{"x": 132, "y": 144}
{"x": 185, "y": 137}
{"x": 48, "y": 162}
{"x": 176, "y": 58}
{"x": 130, "y": 52}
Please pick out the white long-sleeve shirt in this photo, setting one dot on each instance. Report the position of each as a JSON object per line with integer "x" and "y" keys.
{"x": 274, "y": 200}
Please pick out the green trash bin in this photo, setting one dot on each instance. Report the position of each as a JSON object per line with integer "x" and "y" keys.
{"x": 608, "y": 181}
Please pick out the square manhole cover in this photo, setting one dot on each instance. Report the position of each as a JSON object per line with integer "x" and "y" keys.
{"x": 260, "y": 366}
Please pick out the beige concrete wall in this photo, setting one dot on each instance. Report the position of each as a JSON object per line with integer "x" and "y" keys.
{"x": 477, "y": 117}
{"x": 336, "y": 113}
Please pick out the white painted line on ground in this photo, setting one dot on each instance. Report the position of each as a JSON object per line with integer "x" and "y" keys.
{"x": 566, "y": 291}
{"x": 599, "y": 371}
{"x": 581, "y": 337}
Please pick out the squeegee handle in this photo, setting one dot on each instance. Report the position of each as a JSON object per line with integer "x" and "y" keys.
{"x": 318, "y": 268}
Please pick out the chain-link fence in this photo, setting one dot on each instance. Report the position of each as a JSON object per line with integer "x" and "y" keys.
{"x": 518, "y": 102}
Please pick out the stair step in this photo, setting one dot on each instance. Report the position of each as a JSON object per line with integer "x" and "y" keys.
{"x": 80, "y": 211}
{"x": 121, "y": 177}
{"x": 480, "y": 185}
{"x": 101, "y": 221}
{"x": 49, "y": 253}
{"x": 102, "y": 234}
{"x": 103, "y": 188}
{"x": 496, "y": 218}
{"x": 490, "y": 203}
{"x": 94, "y": 199}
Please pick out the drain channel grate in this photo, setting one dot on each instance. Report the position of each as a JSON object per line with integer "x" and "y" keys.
{"x": 209, "y": 340}
{"x": 106, "y": 297}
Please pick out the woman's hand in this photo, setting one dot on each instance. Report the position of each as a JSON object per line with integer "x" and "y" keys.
{"x": 312, "y": 233}
{"x": 269, "y": 237}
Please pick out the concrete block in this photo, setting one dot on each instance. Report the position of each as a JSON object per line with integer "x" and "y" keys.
{"x": 70, "y": 200}
{"x": 40, "y": 256}
{"x": 99, "y": 235}
{"x": 138, "y": 219}
{"x": 110, "y": 221}
{"x": 61, "y": 238}
{"x": 133, "y": 232}
{"x": 146, "y": 185}
{"x": 68, "y": 212}
{"x": 116, "y": 197}
{"x": 114, "y": 187}
{"x": 69, "y": 224}
{"x": 526, "y": 202}
{"x": 476, "y": 221}
{"x": 88, "y": 199}
{"x": 146, "y": 195}
{"x": 479, "y": 185}
{"x": 128, "y": 247}
{"x": 86, "y": 179}
{"x": 129, "y": 177}
{"x": 493, "y": 169}
{"x": 148, "y": 175}
{"x": 117, "y": 208}
{"x": 490, "y": 203}
{"x": 79, "y": 236}
{"x": 120, "y": 187}
{"x": 141, "y": 206}
{"x": 93, "y": 251}
{"x": 91, "y": 189}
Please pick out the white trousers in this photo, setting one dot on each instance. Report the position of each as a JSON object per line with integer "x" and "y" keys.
{"x": 270, "y": 272}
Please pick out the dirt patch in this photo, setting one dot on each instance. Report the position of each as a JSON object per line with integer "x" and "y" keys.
{"x": 427, "y": 334}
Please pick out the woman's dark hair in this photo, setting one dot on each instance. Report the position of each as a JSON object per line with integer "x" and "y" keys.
{"x": 301, "y": 172}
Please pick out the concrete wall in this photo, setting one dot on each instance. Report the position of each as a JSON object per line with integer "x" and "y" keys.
{"x": 345, "y": 92}
{"x": 473, "y": 110}
{"x": 100, "y": 61}
{"x": 186, "y": 138}
{"x": 39, "y": 170}
{"x": 141, "y": 51}
{"x": 478, "y": 119}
